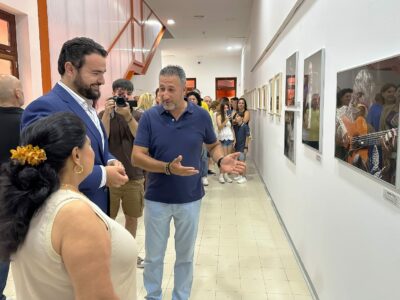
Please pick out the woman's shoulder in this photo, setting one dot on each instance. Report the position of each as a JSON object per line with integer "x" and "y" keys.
{"x": 76, "y": 206}
{"x": 75, "y": 200}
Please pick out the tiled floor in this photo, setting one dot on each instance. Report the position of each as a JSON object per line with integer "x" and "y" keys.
{"x": 241, "y": 250}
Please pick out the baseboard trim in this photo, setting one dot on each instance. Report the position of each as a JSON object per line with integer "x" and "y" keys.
{"x": 307, "y": 278}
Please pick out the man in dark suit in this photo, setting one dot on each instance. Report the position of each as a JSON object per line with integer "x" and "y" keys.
{"x": 11, "y": 100}
{"x": 82, "y": 64}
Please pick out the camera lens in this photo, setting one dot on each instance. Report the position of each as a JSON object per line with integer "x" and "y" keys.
{"x": 120, "y": 101}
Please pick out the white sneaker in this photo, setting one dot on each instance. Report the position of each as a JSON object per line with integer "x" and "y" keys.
{"x": 221, "y": 179}
{"x": 242, "y": 180}
{"x": 204, "y": 180}
{"x": 237, "y": 177}
{"x": 140, "y": 263}
{"x": 227, "y": 178}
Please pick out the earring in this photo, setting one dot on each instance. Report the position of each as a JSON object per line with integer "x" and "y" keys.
{"x": 78, "y": 169}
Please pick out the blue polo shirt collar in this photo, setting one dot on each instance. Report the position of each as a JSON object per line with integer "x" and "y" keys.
{"x": 189, "y": 109}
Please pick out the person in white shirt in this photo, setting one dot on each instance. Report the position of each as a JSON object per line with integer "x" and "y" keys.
{"x": 226, "y": 135}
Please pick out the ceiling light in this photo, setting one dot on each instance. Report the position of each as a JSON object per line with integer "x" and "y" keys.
{"x": 235, "y": 47}
{"x": 170, "y": 22}
{"x": 151, "y": 22}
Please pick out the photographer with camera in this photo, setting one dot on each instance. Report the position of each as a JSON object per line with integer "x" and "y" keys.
{"x": 119, "y": 104}
{"x": 121, "y": 122}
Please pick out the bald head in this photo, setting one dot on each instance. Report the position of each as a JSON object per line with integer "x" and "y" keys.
{"x": 10, "y": 91}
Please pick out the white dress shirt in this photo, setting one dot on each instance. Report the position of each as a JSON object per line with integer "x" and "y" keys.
{"x": 86, "y": 104}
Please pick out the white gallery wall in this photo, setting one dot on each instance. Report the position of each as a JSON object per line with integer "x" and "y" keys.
{"x": 206, "y": 69}
{"x": 346, "y": 233}
{"x": 67, "y": 20}
{"x": 149, "y": 82}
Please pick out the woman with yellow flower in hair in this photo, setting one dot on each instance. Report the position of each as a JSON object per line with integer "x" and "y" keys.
{"x": 61, "y": 245}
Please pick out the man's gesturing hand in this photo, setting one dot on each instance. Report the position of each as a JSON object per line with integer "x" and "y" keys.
{"x": 230, "y": 164}
{"x": 176, "y": 168}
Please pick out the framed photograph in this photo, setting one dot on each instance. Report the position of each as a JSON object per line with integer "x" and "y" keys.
{"x": 313, "y": 91}
{"x": 367, "y": 118}
{"x": 291, "y": 80}
{"x": 260, "y": 98}
{"x": 278, "y": 94}
{"x": 271, "y": 98}
{"x": 290, "y": 141}
{"x": 257, "y": 98}
{"x": 249, "y": 95}
{"x": 253, "y": 99}
{"x": 265, "y": 98}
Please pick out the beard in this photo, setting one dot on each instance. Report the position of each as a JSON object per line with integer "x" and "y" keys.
{"x": 168, "y": 106}
{"x": 87, "y": 91}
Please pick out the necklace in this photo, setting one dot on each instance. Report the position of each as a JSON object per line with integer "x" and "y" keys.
{"x": 66, "y": 186}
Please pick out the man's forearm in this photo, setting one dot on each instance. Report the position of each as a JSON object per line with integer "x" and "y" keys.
{"x": 147, "y": 163}
{"x": 133, "y": 125}
{"x": 215, "y": 151}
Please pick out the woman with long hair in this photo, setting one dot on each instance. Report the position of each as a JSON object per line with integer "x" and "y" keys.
{"x": 225, "y": 133}
{"x": 242, "y": 108}
{"x": 146, "y": 101}
{"x": 61, "y": 245}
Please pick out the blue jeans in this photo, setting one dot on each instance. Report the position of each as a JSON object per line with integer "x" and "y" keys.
{"x": 226, "y": 143}
{"x": 204, "y": 162}
{"x": 4, "y": 267}
{"x": 157, "y": 219}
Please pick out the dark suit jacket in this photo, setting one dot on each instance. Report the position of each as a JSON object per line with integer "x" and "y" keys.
{"x": 58, "y": 99}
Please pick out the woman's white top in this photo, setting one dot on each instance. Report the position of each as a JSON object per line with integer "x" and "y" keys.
{"x": 226, "y": 133}
{"x": 39, "y": 272}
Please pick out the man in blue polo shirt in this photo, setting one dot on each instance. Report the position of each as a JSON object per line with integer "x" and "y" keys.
{"x": 168, "y": 144}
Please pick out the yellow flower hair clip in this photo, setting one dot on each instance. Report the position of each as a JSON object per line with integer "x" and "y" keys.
{"x": 28, "y": 154}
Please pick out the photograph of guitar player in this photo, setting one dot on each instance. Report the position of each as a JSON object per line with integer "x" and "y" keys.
{"x": 366, "y": 137}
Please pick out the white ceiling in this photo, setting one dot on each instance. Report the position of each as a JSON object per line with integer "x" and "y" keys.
{"x": 225, "y": 23}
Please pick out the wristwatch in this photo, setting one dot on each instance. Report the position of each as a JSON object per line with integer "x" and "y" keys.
{"x": 219, "y": 161}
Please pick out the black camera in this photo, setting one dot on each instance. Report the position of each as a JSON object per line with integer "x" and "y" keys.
{"x": 132, "y": 104}
{"x": 120, "y": 101}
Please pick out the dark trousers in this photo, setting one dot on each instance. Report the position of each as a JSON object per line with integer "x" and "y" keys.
{"x": 4, "y": 267}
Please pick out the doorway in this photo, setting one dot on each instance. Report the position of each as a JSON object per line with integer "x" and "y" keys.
{"x": 8, "y": 44}
{"x": 225, "y": 87}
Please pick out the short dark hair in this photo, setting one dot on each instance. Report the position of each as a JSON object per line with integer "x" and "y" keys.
{"x": 196, "y": 95}
{"x": 24, "y": 188}
{"x": 174, "y": 71}
{"x": 240, "y": 114}
{"x": 75, "y": 50}
{"x": 123, "y": 84}
{"x": 234, "y": 99}
{"x": 157, "y": 89}
{"x": 340, "y": 95}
